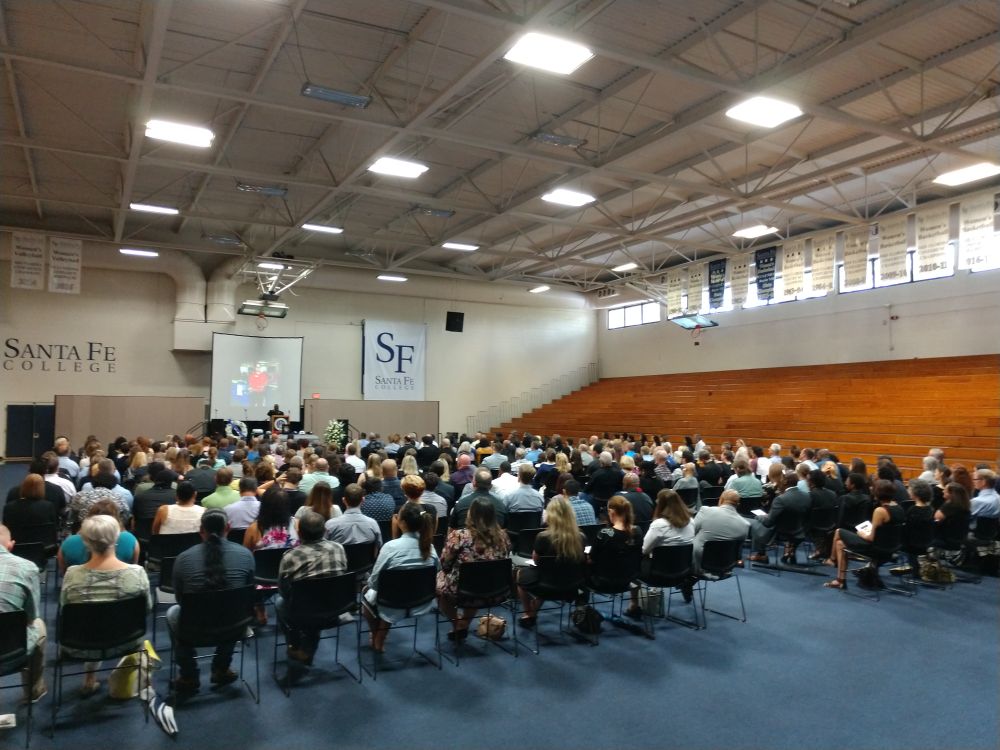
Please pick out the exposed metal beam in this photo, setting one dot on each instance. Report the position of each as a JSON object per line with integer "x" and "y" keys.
{"x": 15, "y": 101}
{"x": 152, "y": 47}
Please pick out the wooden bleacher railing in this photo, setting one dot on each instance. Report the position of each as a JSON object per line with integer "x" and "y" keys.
{"x": 866, "y": 409}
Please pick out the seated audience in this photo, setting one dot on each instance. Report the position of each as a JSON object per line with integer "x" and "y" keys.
{"x": 790, "y": 504}
{"x": 102, "y": 578}
{"x": 561, "y": 542}
{"x": 20, "y": 592}
{"x": 320, "y": 501}
{"x": 244, "y": 511}
{"x": 525, "y": 497}
{"x": 482, "y": 483}
{"x": 214, "y": 565}
{"x": 353, "y": 526}
{"x": 74, "y": 552}
{"x": 391, "y": 484}
{"x": 315, "y": 557}
{"x": 320, "y": 474}
{"x": 689, "y": 481}
{"x": 856, "y": 504}
{"x": 30, "y": 508}
{"x": 181, "y": 517}
{"x": 480, "y": 539}
{"x": 620, "y": 535}
{"x": 148, "y": 502}
{"x": 223, "y": 494}
{"x": 743, "y": 481}
{"x": 641, "y": 503}
{"x": 273, "y": 528}
{"x": 582, "y": 510}
{"x": 413, "y": 488}
{"x": 431, "y": 498}
{"x": 378, "y": 504}
{"x": 985, "y": 504}
{"x": 413, "y": 549}
{"x": 719, "y": 523}
{"x": 887, "y": 522}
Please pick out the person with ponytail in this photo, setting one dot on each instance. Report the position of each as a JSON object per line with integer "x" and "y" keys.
{"x": 413, "y": 549}
{"x": 621, "y": 535}
{"x": 214, "y": 565}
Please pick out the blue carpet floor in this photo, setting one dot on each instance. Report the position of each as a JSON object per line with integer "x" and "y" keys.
{"x": 812, "y": 668}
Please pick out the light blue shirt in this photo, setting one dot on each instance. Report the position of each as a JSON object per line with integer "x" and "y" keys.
{"x": 399, "y": 553}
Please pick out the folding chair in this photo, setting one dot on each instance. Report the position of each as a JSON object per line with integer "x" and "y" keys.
{"x": 109, "y": 629}
{"x": 668, "y": 568}
{"x": 718, "y": 560}
{"x": 710, "y": 495}
{"x": 610, "y": 576}
{"x": 317, "y": 604}
{"x": 484, "y": 584}
{"x": 560, "y": 582}
{"x": 14, "y": 656}
{"x": 407, "y": 589}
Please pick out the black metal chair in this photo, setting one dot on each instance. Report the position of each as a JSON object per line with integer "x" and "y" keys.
{"x": 170, "y": 545}
{"x": 610, "y": 577}
{"x": 484, "y": 584}
{"x": 317, "y": 604}
{"x": 108, "y": 629}
{"x": 266, "y": 563}
{"x": 951, "y": 536}
{"x": 46, "y": 534}
{"x": 984, "y": 535}
{"x": 591, "y": 530}
{"x": 524, "y": 544}
{"x": 218, "y": 617}
{"x": 710, "y": 495}
{"x": 822, "y": 525}
{"x": 165, "y": 585}
{"x": 409, "y": 590}
{"x": 888, "y": 542}
{"x": 748, "y": 505}
{"x": 14, "y": 656}
{"x": 669, "y": 567}
{"x": 790, "y": 528}
{"x": 236, "y": 536}
{"x": 521, "y": 520}
{"x": 559, "y": 582}
{"x": 690, "y": 497}
{"x": 385, "y": 527}
{"x": 718, "y": 560}
{"x": 360, "y": 558}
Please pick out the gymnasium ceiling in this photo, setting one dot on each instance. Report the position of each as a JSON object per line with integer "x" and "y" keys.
{"x": 893, "y": 93}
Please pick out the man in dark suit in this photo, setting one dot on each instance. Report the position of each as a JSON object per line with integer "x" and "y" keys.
{"x": 789, "y": 509}
{"x": 604, "y": 482}
{"x": 708, "y": 471}
{"x": 427, "y": 453}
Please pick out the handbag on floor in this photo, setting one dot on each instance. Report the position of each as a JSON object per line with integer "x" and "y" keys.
{"x": 491, "y": 627}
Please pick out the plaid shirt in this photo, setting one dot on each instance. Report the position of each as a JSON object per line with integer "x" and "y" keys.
{"x": 314, "y": 560}
{"x": 19, "y": 590}
{"x": 584, "y": 511}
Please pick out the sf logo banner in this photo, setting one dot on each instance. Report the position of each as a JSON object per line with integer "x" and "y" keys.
{"x": 394, "y": 359}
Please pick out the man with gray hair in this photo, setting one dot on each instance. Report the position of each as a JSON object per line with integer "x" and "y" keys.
{"x": 482, "y": 481}
{"x": 661, "y": 468}
{"x": 321, "y": 474}
{"x": 930, "y": 465}
{"x": 605, "y": 482}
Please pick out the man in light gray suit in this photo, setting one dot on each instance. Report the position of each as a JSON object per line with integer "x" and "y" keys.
{"x": 719, "y": 523}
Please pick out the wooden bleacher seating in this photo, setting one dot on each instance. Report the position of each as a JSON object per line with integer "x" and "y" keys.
{"x": 900, "y": 408}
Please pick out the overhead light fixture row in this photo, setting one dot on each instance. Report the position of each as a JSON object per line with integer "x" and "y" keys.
{"x": 138, "y": 252}
{"x": 398, "y": 167}
{"x": 178, "y": 132}
{"x": 149, "y": 208}
{"x": 752, "y": 233}
{"x": 315, "y": 91}
{"x": 323, "y": 228}
{"x": 390, "y": 277}
{"x": 968, "y": 174}
{"x": 538, "y": 289}
{"x": 625, "y": 267}
{"x": 549, "y": 53}
{"x": 565, "y": 197}
{"x": 465, "y": 248}
{"x": 764, "y": 111}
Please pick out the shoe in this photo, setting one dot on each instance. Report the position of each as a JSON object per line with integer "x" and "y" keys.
{"x": 88, "y": 690}
{"x": 688, "y": 593}
{"x": 902, "y": 570}
{"x": 185, "y": 685}
{"x": 787, "y": 560}
{"x": 758, "y": 557}
{"x": 300, "y": 655}
{"x": 836, "y": 583}
{"x": 458, "y": 635}
{"x": 36, "y": 695}
{"x": 527, "y": 622}
{"x": 635, "y": 613}
{"x": 223, "y": 677}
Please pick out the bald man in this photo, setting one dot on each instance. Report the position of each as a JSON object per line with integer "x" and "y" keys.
{"x": 321, "y": 474}
{"x": 718, "y": 524}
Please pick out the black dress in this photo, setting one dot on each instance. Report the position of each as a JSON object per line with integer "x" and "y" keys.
{"x": 888, "y": 536}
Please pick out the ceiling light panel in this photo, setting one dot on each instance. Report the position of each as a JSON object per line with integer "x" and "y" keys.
{"x": 565, "y": 197}
{"x": 968, "y": 174}
{"x": 398, "y": 167}
{"x": 465, "y": 248}
{"x": 178, "y": 132}
{"x": 764, "y": 111}
{"x": 323, "y": 228}
{"x": 549, "y": 53}
{"x": 752, "y": 233}
{"x": 149, "y": 208}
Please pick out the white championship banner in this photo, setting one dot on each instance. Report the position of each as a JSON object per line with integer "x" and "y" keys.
{"x": 393, "y": 365}
{"x": 27, "y": 260}
{"x": 824, "y": 251}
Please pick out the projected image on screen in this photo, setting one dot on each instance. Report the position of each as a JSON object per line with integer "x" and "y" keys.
{"x": 250, "y": 374}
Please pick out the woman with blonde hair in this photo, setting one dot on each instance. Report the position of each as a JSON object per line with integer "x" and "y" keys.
{"x": 409, "y": 466}
{"x": 561, "y": 542}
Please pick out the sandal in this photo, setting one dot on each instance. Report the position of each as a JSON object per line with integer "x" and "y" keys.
{"x": 527, "y": 621}
{"x": 458, "y": 635}
{"x": 836, "y": 583}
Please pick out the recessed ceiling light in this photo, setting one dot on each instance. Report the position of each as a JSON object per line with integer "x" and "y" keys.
{"x": 968, "y": 174}
{"x": 390, "y": 277}
{"x": 625, "y": 267}
{"x": 323, "y": 228}
{"x": 177, "y": 132}
{"x": 151, "y": 209}
{"x": 538, "y": 289}
{"x": 752, "y": 233}
{"x": 566, "y": 197}
{"x": 398, "y": 167}
{"x": 460, "y": 246}
{"x": 138, "y": 252}
{"x": 271, "y": 266}
{"x": 764, "y": 111}
{"x": 548, "y": 53}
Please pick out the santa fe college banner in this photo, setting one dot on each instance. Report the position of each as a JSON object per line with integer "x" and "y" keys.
{"x": 393, "y": 362}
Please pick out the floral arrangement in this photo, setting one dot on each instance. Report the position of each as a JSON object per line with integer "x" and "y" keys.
{"x": 236, "y": 429}
{"x": 335, "y": 434}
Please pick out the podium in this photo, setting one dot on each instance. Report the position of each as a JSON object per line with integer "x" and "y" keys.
{"x": 279, "y": 423}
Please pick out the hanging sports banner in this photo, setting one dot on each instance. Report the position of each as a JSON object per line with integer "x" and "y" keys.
{"x": 824, "y": 251}
{"x": 696, "y": 284}
{"x": 764, "y": 261}
{"x": 934, "y": 253}
{"x": 64, "y": 265}
{"x": 27, "y": 260}
{"x": 793, "y": 267}
{"x": 675, "y": 290}
{"x": 892, "y": 250}
{"x": 856, "y": 266}
{"x": 740, "y": 279}
{"x": 978, "y": 245}
{"x": 716, "y": 283}
{"x": 393, "y": 365}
